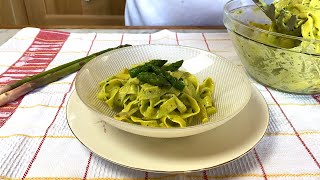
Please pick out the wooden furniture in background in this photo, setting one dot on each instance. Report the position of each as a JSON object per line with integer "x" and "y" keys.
{"x": 13, "y": 12}
{"x": 66, "y": 12}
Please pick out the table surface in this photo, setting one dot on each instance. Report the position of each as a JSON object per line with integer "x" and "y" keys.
{"x": 6, "y": 34}
{"x": 289, "y": 149}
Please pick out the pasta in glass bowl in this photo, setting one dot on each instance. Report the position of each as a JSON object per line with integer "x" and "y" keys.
{"x": 136, "y": 90}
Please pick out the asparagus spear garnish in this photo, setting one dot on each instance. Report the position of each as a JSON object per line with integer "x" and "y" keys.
{"x": 173, "y": 66}
{"x": 153, "y": 79}
{"x": 174, "y": 81}
{"x": 19, "y": 88}
{"x": 134, "y": 72}
{"x": 157, "y": 72}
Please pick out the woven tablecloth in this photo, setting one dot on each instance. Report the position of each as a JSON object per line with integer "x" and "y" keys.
{"x": 36, "y": 142}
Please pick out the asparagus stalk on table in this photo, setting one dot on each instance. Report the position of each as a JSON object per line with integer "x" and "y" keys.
{"x": 13, "y": 91}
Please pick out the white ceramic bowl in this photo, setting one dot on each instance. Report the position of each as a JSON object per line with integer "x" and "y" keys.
{"x": 232, "y": 87}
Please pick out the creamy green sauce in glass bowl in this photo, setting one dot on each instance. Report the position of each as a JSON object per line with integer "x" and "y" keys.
{"x": 279, "y": 68}
{"x": 281, "y": 62}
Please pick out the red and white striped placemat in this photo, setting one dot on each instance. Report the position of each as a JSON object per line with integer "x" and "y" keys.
{"x": 36, "y": 142}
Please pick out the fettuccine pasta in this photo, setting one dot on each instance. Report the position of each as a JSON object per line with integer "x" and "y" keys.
{"x": 157, "y": 106}
{"x": 307, "y": 26}
{"x": 308, "y": 11}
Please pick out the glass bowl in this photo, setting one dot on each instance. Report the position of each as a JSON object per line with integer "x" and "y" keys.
{"x": 283, "y": 62}
{"x": 232, "y": 89}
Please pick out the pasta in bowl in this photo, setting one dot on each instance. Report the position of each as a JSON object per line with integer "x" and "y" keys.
{"x": 158, "y": 96}
{"x": 163, "y": 91}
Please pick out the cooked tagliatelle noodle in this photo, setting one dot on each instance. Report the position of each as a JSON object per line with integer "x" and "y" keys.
{"x": 307, "y": 25}
{"x": 158, "y": 105}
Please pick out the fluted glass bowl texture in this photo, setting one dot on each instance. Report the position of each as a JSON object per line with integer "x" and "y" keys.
{"x": 232, "y": 87}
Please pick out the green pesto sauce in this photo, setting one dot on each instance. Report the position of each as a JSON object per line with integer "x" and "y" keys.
{"x": 280, "y": 68}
